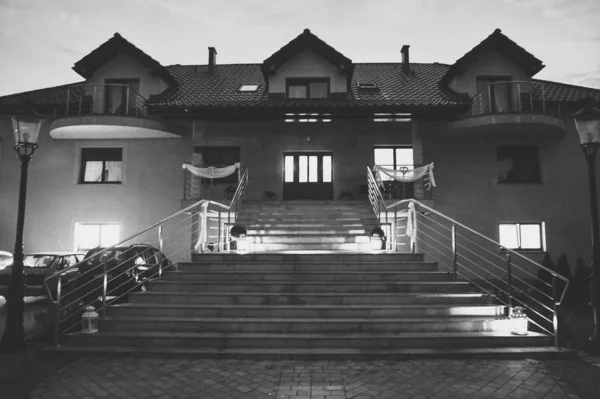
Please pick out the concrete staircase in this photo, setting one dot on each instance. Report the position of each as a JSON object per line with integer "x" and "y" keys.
{"x": 308, "y": 225}
{"x": 344, "y": 305}
{"x": 306, "y": 290}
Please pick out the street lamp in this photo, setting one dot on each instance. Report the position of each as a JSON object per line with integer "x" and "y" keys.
{"x": 26, "y": 127}
{"x": 587, "y": 122}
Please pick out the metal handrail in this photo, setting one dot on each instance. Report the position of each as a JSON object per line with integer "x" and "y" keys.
{"x": 457, "y": 223}
{"x": 122, "y": 282}
{"x": 87, "y": 99}
{"x": 516, "y": 96}
{"x": 452, "y": 242}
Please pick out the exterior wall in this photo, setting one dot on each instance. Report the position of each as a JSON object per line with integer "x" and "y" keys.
{"x": 468, "y": 191}
{"x": 151, "y": 190}
{"x": 308, "y": 64}
{"x": 263, "y": 144}
{"x": 491, "y": 63}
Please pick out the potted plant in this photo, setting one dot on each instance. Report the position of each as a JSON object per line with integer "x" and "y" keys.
{"x": 377, "y": 239}
{"x": 237, "y": 238}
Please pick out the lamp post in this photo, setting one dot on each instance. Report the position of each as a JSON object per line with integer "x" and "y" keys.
{"x": 587, "y": 122}
{"x": 26, "y": 127}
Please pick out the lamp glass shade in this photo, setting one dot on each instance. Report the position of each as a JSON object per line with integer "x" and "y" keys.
{"x": 587, "y": 122}
{"x": 26, "y": 127}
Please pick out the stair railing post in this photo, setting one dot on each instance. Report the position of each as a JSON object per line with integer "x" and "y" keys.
{"x": 57, "y": 321}
{"x": 454, "y": 254}
{"x": 160, "y": 248}
{"x": 104, "y": 288}
{"x": 94, "y": 101}
{"x": 127, "y": 101}
{"x": 219, "y": 230}
{"x": 555, "y": 309}
{"x": 68, "y": 99}
{"x": 394, "y": 231}
{"x": 509, "y": 282}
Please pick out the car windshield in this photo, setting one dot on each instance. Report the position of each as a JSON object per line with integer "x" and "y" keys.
{"x": 38, "y": 260}
{"x": 5, "y": 260}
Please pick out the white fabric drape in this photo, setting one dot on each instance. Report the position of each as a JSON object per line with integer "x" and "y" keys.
{"x": 407, "y": 176}
{"x": 203, "y": 232}
{"x": 114, "y": 170}
{"x": 212, "y": 172}
{"x": 411, "y": 226}
{"x": 93, "y": 171}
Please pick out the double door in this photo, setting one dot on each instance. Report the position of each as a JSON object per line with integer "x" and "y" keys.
{"x": 308, "y": 176}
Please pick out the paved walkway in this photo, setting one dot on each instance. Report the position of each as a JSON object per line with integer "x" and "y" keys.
{"x": 45, "y": 376}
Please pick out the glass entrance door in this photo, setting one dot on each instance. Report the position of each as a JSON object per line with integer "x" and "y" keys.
{"x": 308, "y": 175}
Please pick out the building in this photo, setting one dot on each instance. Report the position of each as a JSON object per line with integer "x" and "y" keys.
{"x": 112, "y": 148}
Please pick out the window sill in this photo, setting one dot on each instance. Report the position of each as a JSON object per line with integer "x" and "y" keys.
{"x": 100, "y": 183}
{"x": 507, "y": 182}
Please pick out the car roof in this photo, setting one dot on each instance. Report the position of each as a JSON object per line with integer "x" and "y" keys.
{"x": 54, "y": 253}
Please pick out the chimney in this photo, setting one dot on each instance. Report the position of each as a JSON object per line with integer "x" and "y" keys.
{"x": 212, "y": 59}
{"x": 405, "y": 59}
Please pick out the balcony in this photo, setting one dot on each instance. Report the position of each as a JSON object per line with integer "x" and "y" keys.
{"x": 107, "y": 111}
{"x": 512, "y": 108}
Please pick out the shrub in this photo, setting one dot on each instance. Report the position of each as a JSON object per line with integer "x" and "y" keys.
{"x": 237, "y": 231}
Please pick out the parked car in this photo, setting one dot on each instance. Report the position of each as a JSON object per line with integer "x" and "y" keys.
{"x": 128, "y": 268}
{"x": 6, "y": 259}
{"x": 38, "y": 266}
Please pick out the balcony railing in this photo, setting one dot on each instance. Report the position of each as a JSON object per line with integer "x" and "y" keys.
{"x": 513, "y": 97}
{"x": 103, "y": 99}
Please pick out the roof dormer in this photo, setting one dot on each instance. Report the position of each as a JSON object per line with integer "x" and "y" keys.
{"x": 307, "y": 67}
{"x": 496, "y": 57}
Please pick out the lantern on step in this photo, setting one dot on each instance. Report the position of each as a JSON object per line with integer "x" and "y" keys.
{"x": 237, "y": 235}
{"x": 89, "y": 321}
{"x": 377, "y": 239}
{"x": 518, "y": 321}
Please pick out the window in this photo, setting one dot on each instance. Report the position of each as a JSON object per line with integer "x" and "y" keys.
{"x": 393, "y": 158}
{"x": 219, "y": 157}
{"x": 121, "y": 95}
{"x": 248, "y": 88}
{"x": 395, "y": 117}
{"x": 91, "y": 235}
{"x": 101, "y": 165}
{"x": 518, "y": 165}
{"x": 307, "y": 118}
{"x": 528, "y": 236}
{"x": 307, "y": 88}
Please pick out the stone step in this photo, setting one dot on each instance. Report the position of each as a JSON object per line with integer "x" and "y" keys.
{"x": 307, "y": 257}
{"x": 302, "y": 311}
{"x": 308, "y": 218}
{"x": 323, "y": 299}
{"x": 301, "y": 325}
{"x": 288, "y": 287}
{"x": 308, "y": 239}
{"x": 311, "y": 246}
{"x": 542, "y": 352}
{"x": 324, "y": 231}
{"x": 292, "y": 342}
{"x": 340, "y": 276}
{"x": 332, "y": 267}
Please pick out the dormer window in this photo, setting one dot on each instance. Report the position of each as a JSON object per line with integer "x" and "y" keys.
{"x": 307, "y": 87}
{"x": 248, "y": 88}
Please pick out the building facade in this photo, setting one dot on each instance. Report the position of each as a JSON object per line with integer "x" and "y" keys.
{"x": 306, "y": 123}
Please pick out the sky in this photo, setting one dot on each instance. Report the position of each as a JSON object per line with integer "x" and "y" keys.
{"x": 40, "y": 40}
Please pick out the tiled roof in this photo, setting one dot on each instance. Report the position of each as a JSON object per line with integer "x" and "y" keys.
{"x": 50, "y": 96}
{"x": 197, "y": 88}
{"x": 562, "y": 92}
